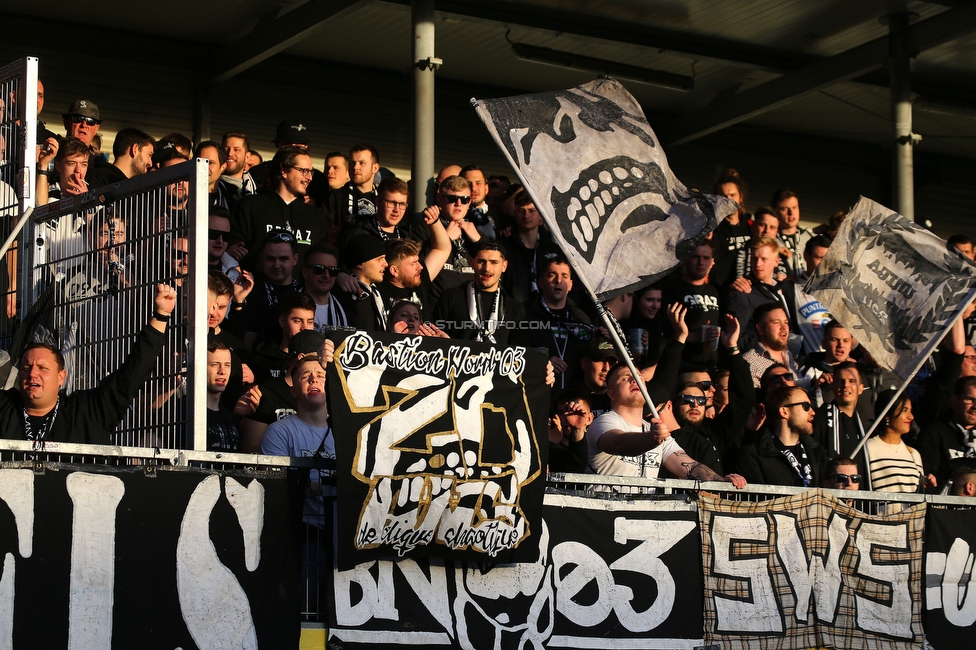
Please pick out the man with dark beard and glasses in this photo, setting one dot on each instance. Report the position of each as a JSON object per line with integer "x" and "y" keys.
{"x": 784, "y": 453}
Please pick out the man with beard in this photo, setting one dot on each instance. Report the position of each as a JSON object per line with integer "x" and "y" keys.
{"x": 133, "y": 151}
{"x": 358, "y": 197}
{"x": 953, "y": 437}
{"x": 281, "y": 206}
{"x": 483, "y": 217}
{"x": 234, "y": 181}
{"x": 481, "y": 310}
{"x": 568, "y": 327}
{"x": 773, "y": 330}
{"x": 837, "y": 425}
{"x": 406, "y": 277}
{"x": 701, "y": 300}
{"x": 622, "y": 443}
{"x": 724, "y": 432}
{"x": 785, "y": 453}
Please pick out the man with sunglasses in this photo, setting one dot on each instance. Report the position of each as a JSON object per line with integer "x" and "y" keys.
{"x": 784, "y": 453}
{"x": 320, "y": 271}
{"x": 724, "y": 433}
{"x": 842, "y": 474}
{"x": 622, "y": 443}
{"x": 281, "y": 206}
{"x": 82, "y": 120}
{"x": 452, "y": 205}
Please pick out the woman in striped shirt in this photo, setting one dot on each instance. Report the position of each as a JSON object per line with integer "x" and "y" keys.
{"x": 895, "y": 467}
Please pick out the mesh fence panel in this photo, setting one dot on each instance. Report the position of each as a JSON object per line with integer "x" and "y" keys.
{"x": 95, "y": 261}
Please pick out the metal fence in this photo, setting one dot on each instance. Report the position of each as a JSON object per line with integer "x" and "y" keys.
{"x": 18, "y": 137}
{"x": 89, "y": 275}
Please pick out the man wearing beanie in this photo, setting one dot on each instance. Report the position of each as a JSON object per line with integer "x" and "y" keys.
{"x": 364, "y": 257}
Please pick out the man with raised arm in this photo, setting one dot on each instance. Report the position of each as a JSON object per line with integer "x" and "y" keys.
{"x": 36, "y": 410}
{"x": 622, "y": 443}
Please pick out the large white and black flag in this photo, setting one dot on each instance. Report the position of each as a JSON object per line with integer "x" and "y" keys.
{"x": 893, "y": 284}
{"x": 601, "y": 181}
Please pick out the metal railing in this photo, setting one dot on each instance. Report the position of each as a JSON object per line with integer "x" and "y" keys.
{"x": 18, "y": 137}
{"x": 89, "y": 275}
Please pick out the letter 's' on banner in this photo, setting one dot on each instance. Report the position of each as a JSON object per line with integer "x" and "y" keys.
{"x": 601, "y": 181}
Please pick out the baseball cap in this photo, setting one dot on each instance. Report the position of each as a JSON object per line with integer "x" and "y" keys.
{"x": 600, "y": 349}
{"x": 291, "y": 132}
{"x": 305, "y": 342}
{"x": 165, "y": 151}
{"x": 83, "y": 107}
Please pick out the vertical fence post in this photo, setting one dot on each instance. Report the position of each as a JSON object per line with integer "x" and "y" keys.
{"x": 198, "y": 209}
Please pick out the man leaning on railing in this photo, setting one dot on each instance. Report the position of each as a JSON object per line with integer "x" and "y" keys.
{"x": 36, "y": 409}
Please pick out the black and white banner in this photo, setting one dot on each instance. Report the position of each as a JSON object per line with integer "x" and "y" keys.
{"x": 893, "y": 284}
{"x": 601, "y": 181}
{"x": 438, "y": 448}
{"x": 621, "y": 575}
{"x": 134, "y": 559}
{"x": 950, "y": 594}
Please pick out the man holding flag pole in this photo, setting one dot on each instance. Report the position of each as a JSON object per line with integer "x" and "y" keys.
{"x": 895, "y": 286}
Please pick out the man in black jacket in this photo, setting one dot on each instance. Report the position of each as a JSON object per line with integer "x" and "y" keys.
{"x": 784, "y": 453}
{"x": 953, "y": 437}
{"x": 36, "y": 409}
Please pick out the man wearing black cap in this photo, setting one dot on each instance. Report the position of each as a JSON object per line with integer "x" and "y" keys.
{"x": 622, "y": 443}
{"x": 481, "y": 310}
{"x": 82, "y": 120}
{"x": 364, "y": 257}
{"x": 598, "y": 357}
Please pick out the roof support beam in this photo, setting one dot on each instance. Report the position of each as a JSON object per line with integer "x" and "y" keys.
{"x": 921, "y": 36}
{"x": 512, "y": 12}
{"x": 267, "y": 40}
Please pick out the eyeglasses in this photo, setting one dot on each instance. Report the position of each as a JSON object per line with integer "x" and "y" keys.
{"x": 706, "y": 385}
{"x": 395, "y": 205}
{"x": 454, "y": 198}
{"x": 303, "y": 170}
{"x": 214, "y": 235}
{"x": 319, "y": 269}
{"x": 78, "y": 119}
{"x": 806, "y": 406}
{"x": 691, "y": 400}
{"x": 845, "y": 478}
{"x": 970, "y": 357}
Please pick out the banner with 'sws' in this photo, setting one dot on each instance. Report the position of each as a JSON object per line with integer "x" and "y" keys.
{"x": 437, "y": 448}
{"x": 809, "y": 571}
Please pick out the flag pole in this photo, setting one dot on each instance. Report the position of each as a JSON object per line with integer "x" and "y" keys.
{"x": 933, "y": 344}
{"x": 614, "y": 330}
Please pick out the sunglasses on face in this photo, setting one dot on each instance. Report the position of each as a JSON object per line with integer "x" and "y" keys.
{"x": 455, "y": 198}
{"x": 845, "y": 478}
{"x": 779, "y": 379}
{"x": 180, "y": 255}
{"x": 214, "y": 235}
{"x": 806, "y": 406}
{"x": 78, "y": 119}
{"x": 319, "y": 269}
{"x": 691, "y": 400}
{"x": 706, "y": 385}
